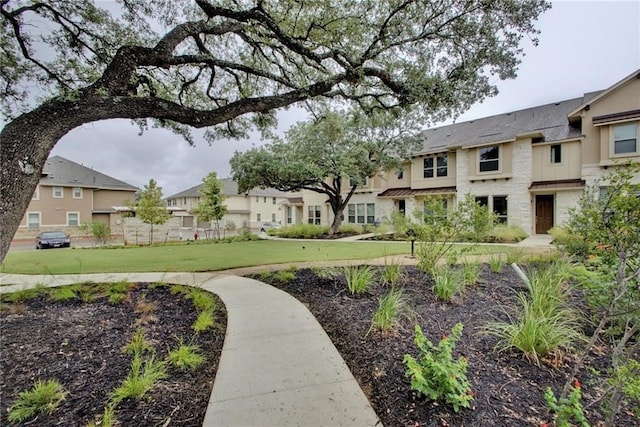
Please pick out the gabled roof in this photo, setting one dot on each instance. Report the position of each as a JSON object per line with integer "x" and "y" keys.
{"x": 603, "y": 93}
{"x": 230, "y": 188}
{"x": 63, "y": 172}
{"x": 547, "y": 121}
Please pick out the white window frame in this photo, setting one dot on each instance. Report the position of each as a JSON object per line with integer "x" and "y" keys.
{"x": 77, "y": 214}
{"x": 435, "y": 169}
{"x": 36, "y": 193}
{"x": 480, "y": 161}
{"x": 358, "y": 213}
{"x": 316, "y": 218}
{"x": 39, "y": 214}
{"x": 79, "y": 191}
{"x": 614, "y": 140}
{"x": 53, "y": 192}
{"x": 258, "y": 216}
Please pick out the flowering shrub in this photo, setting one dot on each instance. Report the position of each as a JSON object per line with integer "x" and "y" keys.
{"x": 567, "y": 408}
{"x": 436, "y": 374}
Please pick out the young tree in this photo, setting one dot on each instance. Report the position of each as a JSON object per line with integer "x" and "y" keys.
{"x": 318, "y": 155}
{"x": 229, "y": 64}
{"x": 210, "y": 208}
{"x": 150, "y": 208}
{"x": 608, "y": 219}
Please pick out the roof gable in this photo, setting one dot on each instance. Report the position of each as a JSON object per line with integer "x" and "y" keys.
{"x": 63, "y": 172}
{"x": 601, "y": 94}
{"x": 230, "y": 188}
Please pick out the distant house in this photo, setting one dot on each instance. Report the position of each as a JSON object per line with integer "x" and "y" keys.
{"x": 528, "y": 166}
{"x": 244, "y": 210}
{"x": 69, "y": 194}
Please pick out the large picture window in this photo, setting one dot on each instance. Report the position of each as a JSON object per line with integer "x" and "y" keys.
{"x": 625, "y": 139}
{"x": 361, "y": 213}
{"x": 489, "y": 159}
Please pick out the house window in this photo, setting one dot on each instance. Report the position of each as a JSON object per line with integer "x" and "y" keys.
{"x": 73, "y": 219}
{"x": 258, "y": 216}
{"x": 36, "y": 194}
{"x": 440, "y": 166}
{"x": 500, "y": 208}
{"x": 33, "y": 220}
{"x": 400, "y": 173}
{"x": 273, "y": 217}
{"x": 489, "y": 157}
{"x": 361, "y": 213}
{"x": 314, "y": 215}
{"x": 625, "y": 139}
{"x": 289, "y": 215}
{"x": 77, "y": 193}
{"x": 556, "y": 154}
{"x": 273, "y": 200}
{"x": 58, "y": 192}
{"x": 482, "y": 200}
{"x": 265, "y": 199}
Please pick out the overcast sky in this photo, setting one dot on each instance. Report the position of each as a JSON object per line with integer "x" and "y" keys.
{"x": 584, "y": 46}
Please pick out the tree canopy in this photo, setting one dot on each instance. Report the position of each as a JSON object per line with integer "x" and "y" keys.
{"x": 228, "y": 64}
{"x": 211, "y": 207}
{"x": 320, "y": 154}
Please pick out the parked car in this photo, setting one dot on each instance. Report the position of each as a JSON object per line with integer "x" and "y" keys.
{"x": 267, "y": 225}
{"x": 52, "y": 239}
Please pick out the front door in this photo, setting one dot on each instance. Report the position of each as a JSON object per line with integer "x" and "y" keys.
{"x": 544, "y": 213}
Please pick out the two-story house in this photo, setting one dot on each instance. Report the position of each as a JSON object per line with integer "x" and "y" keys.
{"x": 528, "y": 166}
{"x": 69, "y": 194}
{"x": 246, "y": 210}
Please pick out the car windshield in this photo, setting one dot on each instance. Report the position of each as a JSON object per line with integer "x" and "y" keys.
{"x": 54, "y": 235}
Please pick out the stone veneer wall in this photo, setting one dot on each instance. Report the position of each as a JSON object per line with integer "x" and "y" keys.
{"x": 516, "y": 188}
{"x": 137, "y": 232}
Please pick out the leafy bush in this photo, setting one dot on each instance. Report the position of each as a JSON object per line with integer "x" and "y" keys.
{"x": 571, "y": 243}
{"x": 299, "y": 231}
{"x": 436, "y": 374}
{"x": 358, "y": 278}
{"x": 100, "y": 231}
{"x": 44, "y": 396}
{"x": 568, "y": 408}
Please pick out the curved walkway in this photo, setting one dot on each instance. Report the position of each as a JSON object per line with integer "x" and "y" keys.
{"x": 278, "y": 366}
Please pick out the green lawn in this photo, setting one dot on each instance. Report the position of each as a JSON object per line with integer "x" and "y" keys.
{"x": 201, "y": 256}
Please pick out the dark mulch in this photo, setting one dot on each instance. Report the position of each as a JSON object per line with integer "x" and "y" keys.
{"x": 80, "y": 345}
{"x": 508, "y": 388}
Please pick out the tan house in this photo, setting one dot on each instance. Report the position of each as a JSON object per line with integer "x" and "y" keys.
{"x": 69, "y": 194}
{"x": 528, "y": 166}
{"x": 244, "y": 210}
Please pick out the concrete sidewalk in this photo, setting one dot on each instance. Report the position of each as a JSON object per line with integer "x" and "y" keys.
{"x": 278, "y": 367}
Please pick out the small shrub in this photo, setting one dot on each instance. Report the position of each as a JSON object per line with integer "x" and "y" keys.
{"x": 186, "y": 357}
{"x": 108, "y": 418}
{"x": 141, "y": 379}
{"x": 327, "y": 273}
{"x": 568, "y": 408}
{"x": 571, "y": 243}
{"x": 390, "y": 307}
{"x": 516, "y": 256}
{"x": 45, "y": 396}
{"x": 496, "y": 263}
{"x": 391, "y": 273}
{"x": 23, "y": 295}
{"x": 447, "y": 283}
{"x": 358, "y": 278}
{"x": 507, "y": 233}
{"x": 204, "y": 321}
{"x": 300, "y": 231}
{"x": 470, "y": 272}
{"x": 436, "y": 374}
{"x": 202, "y": 300}
{"x": 285, "y": 276}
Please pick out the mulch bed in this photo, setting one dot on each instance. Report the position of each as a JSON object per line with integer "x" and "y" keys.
{"x": 508, "y": 388}
{"x": 80, "y": 344}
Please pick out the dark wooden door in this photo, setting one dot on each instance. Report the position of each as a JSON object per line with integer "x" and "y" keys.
{"x": 544, "y": 213}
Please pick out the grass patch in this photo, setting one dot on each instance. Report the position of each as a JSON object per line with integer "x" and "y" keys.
{"x": 204, "y": 321}
{"x": 358, "y": 278}
{"x": 447, "y": 283}
{"x": 23, "y": 295}
{"x": 186, "y": 357}
{"x": 391, "y": 273}
{"x": 63, "y": 293}
{"x": 138, "y": 344}
{"x": 45, "y": 396}
{"x": 496, "y": 263}
{"x": 390, "y": 308}
{"x": 192, "y": 257}
{"x": 143, "y": 377}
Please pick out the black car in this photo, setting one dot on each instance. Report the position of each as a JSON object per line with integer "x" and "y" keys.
{"x": 52, "y": 239}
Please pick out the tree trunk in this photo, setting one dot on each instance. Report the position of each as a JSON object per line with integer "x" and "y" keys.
{"x": 338, "y": 217}
{"x": 25, "y": 144}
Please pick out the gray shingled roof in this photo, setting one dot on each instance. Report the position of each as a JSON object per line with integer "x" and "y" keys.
{"x": 230, "y": 188}
{"x": 550, "y": 120}
{"x": 63, "y": 172}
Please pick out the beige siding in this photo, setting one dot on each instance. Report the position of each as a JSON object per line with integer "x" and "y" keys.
{"x": 568, "y": 168}
{"x": 505, "y": 165}
{"x": 417, "y": 176}
{"x": 106, "y": 199}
